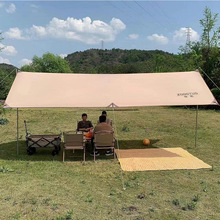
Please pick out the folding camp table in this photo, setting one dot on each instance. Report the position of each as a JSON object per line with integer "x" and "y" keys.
{"x": 42, "y": 141}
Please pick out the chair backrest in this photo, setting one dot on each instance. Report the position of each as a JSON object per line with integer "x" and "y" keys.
{"x": 73, "y": 139}
{"x": 110, "y": 122}
{"x": 104, "y": 138}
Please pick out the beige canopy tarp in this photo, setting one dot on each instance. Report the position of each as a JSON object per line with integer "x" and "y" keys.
{"x": 33, "y": 90}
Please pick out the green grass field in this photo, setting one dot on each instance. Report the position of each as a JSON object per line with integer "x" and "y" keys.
{"x": 43, "y": 187}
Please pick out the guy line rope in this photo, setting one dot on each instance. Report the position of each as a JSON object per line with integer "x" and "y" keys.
{"x": 7, "y": 75}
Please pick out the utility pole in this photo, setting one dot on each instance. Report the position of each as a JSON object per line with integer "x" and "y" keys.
{"x": 102, "y": 45}
{"x": 188, "y": 35}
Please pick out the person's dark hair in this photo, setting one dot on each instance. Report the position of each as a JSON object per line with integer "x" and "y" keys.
{"x": 84, "y": 114}
{"x": 102, "y": 118}
{"x": 104, "y": 113}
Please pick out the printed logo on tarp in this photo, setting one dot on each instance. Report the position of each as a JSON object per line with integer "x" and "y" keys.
{"x": 188, "y": 94}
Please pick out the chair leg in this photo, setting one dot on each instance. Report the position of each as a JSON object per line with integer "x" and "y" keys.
{"x": 84, "y": 154}
{"x": 114, "y": 152}
{"x": 94, "y": 153}
{"x": 63, "y": 154}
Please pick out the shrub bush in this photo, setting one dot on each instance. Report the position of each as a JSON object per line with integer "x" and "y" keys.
{"x": 3, "y": 121}
{"x": 216, "y": 93}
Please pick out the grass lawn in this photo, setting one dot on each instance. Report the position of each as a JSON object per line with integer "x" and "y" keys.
{"x": 43, "y": 187}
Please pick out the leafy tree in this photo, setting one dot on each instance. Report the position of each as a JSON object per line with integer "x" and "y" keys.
{"x": 7, "y": 75}
{"x": 49, "y": 63}
{"x": 211, "y": 33}
{"x": 206, "y": 52}
{"x": 3, "y": 121}
{"x": 209, "y": 46}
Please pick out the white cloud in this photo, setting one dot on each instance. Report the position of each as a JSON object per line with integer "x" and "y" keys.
{"x": 1, "y": 4}
{"x": 160, "y": 39}
{"x": 2, "y": 60}
{"x": 37, "y": 31}
{"x": 180, "y": 35}
{"x": 133, "y": 36}
{"x": 14, "y": 33}
{"x": 11, "y": 8}
{"x": 84, "y": 30}
{"x": 117, "y": 25}
{"x": 8, "y": 50}
{"x": 34, "y": 6}
{"x": 25, "y": 62}
{"x": 63, "y": 55}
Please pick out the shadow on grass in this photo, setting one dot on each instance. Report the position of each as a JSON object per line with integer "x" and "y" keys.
{"x": 136, "y": 144}
{"x": 8, "y": 151}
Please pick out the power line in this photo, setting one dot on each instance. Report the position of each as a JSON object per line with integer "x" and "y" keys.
{"x": 137, "y": 3}
{"x": 173, "y": 23}
{"x": 131, "y": 14}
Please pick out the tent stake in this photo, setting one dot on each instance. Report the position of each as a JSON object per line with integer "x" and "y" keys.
{"x": 196, "y": 125}
{"x": 17, "y": 134}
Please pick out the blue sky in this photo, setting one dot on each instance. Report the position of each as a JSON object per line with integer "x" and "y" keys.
{"x": 36, "y": 27}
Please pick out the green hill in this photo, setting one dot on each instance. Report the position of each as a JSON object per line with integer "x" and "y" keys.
{"x": 127, "y": 61}
{"x": 7, "y": 67}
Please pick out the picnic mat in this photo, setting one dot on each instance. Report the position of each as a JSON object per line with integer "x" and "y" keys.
{"x": 158, "y": 159}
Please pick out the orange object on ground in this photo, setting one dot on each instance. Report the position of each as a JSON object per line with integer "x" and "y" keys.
{"x": 146, "y": 142}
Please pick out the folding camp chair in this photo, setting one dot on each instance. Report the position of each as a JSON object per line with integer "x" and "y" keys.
{"x": 42, "y": 141}
{"x": 110, "y": 122}
{"x": 104, "y": 140}
{"x": 74, "y": 142}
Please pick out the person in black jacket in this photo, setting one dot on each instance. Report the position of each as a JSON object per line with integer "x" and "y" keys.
{"x": 84, "y": 125}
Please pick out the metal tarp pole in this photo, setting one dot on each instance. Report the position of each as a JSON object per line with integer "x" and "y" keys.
{"x": 17, "y": 127}
{"x": 196, "y": 125}
{"x": 17, "y": 134}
